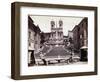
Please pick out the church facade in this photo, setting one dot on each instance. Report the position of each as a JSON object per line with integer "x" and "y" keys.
{"x": 56, "y": 35}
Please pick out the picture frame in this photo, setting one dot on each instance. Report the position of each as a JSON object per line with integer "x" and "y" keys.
{"x": 55, "y": 11}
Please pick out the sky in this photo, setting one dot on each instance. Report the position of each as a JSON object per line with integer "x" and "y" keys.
{"x": 44, "y": 22}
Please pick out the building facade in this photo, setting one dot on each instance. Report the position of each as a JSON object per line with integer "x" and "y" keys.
{"x": 37, "y": 39}
{"x": 80, "y": 38}
{"x": 70, "y": 34}
{"x": 33, "y": 41}
{"x": 47, "y": 37}
{"x": 56, "y": 36}
{"x": 76, "y": 37}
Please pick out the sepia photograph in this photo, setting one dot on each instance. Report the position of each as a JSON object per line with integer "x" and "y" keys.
{"x": 57, "y": 40}
{"x": 53, "y": 40}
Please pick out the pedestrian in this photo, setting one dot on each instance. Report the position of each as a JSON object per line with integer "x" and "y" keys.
{"x": 43, "y": 58}
{"x": 33, "y": 62}
{"x": 71, "y": 57}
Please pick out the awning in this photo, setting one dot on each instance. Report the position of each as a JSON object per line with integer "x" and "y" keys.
{"x": 84, "y": 47}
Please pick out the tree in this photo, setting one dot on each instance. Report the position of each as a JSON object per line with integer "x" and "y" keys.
{"x": 70, "y": 40}
{"x": 42, "y": 38}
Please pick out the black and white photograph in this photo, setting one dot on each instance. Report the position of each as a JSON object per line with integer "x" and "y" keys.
{"x": 57, "y": 40}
